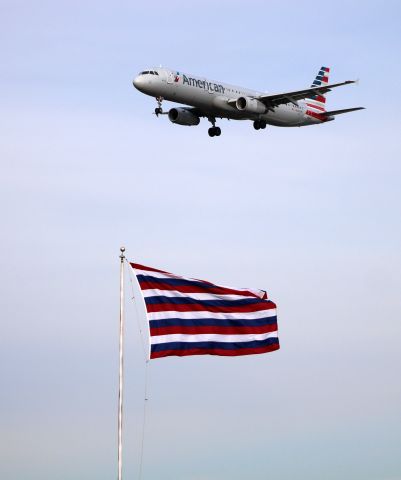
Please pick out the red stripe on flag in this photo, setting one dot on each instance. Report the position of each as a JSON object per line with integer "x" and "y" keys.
{"x": 217, "y": 351}
{"x": 198, "y": 307}
{"x": 148, "y": 269}
{"x": 160, "y": 285}
{"x": 185, "y": 330}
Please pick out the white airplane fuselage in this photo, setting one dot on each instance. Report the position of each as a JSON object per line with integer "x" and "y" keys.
{"x": 217, "y": 99}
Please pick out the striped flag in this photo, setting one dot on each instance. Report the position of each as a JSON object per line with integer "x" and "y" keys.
{"x": 194, "y": 317}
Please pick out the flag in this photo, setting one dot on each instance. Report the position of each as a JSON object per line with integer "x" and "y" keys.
{"x": 194, "y": 317}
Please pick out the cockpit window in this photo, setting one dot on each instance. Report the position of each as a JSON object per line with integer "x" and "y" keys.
{"x": 148, "y": 72}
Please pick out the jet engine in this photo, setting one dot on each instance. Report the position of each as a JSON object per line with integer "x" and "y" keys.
{"x": 183, "y": 116}
{"x": 250, "y": 105}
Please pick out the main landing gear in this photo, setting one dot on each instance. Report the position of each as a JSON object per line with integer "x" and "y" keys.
{"x": 159, "y": 110}
{"x": 259, "y": 124}
{"x": 214, "y": 131}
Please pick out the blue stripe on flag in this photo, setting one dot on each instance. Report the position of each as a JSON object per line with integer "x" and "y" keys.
{"x": 174, "y": 282}
{"x": 157, "y": 300}
{"x": 160, "y": 347}
{"x": 211, "y": 322}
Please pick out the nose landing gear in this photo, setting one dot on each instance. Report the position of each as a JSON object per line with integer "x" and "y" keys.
{"x": 159, "y": 110}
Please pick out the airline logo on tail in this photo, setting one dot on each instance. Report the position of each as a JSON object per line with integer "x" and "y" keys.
{"x": 317, "y": 103}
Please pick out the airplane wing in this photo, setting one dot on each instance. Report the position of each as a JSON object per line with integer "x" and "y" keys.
{"x": 274, "y": 100}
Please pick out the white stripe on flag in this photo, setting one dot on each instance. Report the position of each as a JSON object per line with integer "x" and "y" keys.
{"x": 211, "y": 338}
{"x": 217, "y": 316}
{"x": 195, "y": 296}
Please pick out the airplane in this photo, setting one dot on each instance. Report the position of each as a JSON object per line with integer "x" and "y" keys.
{"x": 211, "y": 99}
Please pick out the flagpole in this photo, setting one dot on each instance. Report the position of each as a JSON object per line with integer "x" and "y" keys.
{"x": 121, "y": 371}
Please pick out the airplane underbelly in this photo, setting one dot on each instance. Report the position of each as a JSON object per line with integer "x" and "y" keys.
{"x": 209, "y": 103}
{"x": 199, "y": 99}
{"x": 174, "y": 93}
{"x": 284, "y": 117}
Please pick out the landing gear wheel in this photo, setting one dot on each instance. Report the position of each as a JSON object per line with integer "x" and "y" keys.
{"x": 256, "y": 125}
{"x": 262, "y": 124}
{"x": 158, "y": 110}
{"x": 214, "y": 132}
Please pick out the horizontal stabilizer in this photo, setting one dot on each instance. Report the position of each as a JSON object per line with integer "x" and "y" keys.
{"x": 339, "y": 112}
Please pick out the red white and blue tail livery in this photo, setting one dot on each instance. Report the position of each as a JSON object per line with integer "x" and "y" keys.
{"x": 317, "y": 103}
{"x": 210, "y": 99}
{"x": 188, "y": 316}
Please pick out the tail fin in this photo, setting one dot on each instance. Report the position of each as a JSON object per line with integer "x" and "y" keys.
{"x": 317, "y": 103}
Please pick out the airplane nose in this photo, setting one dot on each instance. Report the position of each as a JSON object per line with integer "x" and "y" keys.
{"x": 138, "y": 82}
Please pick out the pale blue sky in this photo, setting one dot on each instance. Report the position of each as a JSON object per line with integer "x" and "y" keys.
{"x": 312, "y": 215}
